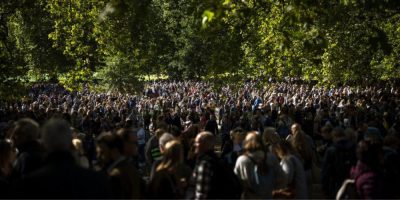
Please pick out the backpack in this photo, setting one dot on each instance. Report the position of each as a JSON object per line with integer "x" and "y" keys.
{"x": 163, "y": 185}
{"x": 227, "y": 183}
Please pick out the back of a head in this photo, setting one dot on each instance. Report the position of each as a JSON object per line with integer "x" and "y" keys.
{"x": 111, "y": 141}
{"x": 296, "y": 127}
{"x": 208, "y": 139}
{"x": 26, "y": 128}
{"x": 370, "y": 152}
{"x": 165, "y": 138}
{"x": 57, "y": 135}
{"x": 327, "y": 129}
{"x": 300, "y": 138}
{"x": 270, "y": 136}
{"x": 78, "y": 146}
{"x": 173, "y": 155}
{"x": 338, "y": 133}
{"x": 159, "y": 132}
{"x": 351, "y": 134}
{"x": 269, "y": 130}
{"x": 125, "y": 133}
{"x": 252, "y": 142}
{"x": 173, "y": 148}
{"x": 175, "y": 131}
{"x": 284, "y": 147}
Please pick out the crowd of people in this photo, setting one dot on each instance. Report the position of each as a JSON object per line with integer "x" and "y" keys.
{"x": 190, "y": 139}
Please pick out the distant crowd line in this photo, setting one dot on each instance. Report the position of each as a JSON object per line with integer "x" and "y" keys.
{"x": 274, "y": 139}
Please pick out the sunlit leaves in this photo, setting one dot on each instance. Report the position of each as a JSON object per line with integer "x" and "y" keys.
{"x": 120, "y": 42}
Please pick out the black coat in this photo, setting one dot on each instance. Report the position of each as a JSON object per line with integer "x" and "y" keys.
{"x": 28, "y": 160}
{"x": 61, "y": 177}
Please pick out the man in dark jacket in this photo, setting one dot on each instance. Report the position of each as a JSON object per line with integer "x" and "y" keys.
{"x": 61, "y": 177}
{"x": 337, "y": 162}
{"x": 25, "y": 137}
{"x": 203, "y": 171}
{"x": 122, "y": 174}
{"x": 210, "y": 179}
{"x": 212, "y": 126}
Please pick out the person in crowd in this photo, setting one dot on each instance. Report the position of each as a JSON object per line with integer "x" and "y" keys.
{"x": 302, "y": 144}
{"x": 164, "y": 139}
{"x": 172, "y": 175}
{"x": 226, "y": 126}
{"x": 296, "y": 183}
{"x": 270, "y": 137}
{"x": 61, "y": 176}
{"x": 122, "y": 174}
{"x": 130, "y": 143}
{"x": 283, "y": 123}
{"x": 25, "y": 138}
{"x": 258, "y": 170}
{"x": 204, "y": 177}
{"x": 233, "y": 148}
{"x": 367, "y": 173}
{"x": 7, "y": 157}
{"x": 326, "y": 139}
{"x": 249, "y": 104}
{"x": 80, "y": 153}
{"x": 211, "y": 125}
{"x": 391, "y": 167}
{"x": 141, "y": 135}
{"x": 187, "y": 138}
{"x": 152, "y": 149}
{"x": 337, "y": 162}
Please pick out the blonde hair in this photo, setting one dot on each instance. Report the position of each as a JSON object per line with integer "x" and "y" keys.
{"x": 252, "y": 142}
{"x": 78, "y": 145}
{"x": 173, "y": 155}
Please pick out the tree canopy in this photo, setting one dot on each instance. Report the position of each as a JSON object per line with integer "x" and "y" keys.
{"x": 120, "y": 42}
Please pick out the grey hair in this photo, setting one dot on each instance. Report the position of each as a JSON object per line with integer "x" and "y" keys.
{"x": 57, "y": 135}
{"x": 165, "y": 138}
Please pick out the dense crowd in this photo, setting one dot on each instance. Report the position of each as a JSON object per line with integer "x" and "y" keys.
{"x": 256, "y": 140}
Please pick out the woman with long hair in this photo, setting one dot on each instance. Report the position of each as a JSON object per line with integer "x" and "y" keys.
{"x": 270, "y": 137}
{"x": 302, "y": 145}
{"x": 296, "y": 184}
{"x": 297, "y": 137}
{"x": 172, "y": 175}
{"x": 257, "y": 170}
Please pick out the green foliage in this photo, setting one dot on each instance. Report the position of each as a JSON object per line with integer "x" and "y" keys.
{"x": 121, "y": 42}
{"x": 329, "y": 41}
